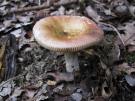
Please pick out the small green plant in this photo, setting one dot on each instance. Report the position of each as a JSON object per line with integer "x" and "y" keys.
{"x": 130, "y": 57}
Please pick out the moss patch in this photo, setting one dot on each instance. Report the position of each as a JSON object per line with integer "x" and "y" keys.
{"x": 130, "y": 57}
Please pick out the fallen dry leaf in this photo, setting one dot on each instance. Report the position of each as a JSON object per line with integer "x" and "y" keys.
{"x": 99, "y": 98}
{"x": 76, "y": 96}
{"x": 6, "y": 89}
{"x": 130, "y": 80}
{"x": 131, "y": 48}
{"x": 17, "y": 92}
{"x": 92, "y": 13}
{"x": 106, "y": 91}
{"x": 60, "y": 77}
{"x": 123, "y": 68}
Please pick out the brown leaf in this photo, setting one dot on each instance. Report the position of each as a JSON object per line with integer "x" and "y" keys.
{"x": 124, "y": 67}
{"x": 61, "y": 98}
{"x": 92, "y": 13}
{"x": 99, "y": 98}
{"x": 2, "y": 51}
{"x": 131, "y": 48}
{"x": 59, "y": 77}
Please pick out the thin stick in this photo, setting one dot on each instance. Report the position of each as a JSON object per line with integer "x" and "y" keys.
{"x": 41, "y": 7}
{"x": 115, "y": 29}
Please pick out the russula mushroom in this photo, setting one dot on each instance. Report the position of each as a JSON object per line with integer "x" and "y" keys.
{"x": 67, "y": 34}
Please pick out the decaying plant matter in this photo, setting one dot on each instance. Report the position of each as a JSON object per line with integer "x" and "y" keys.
{"x": 106, "y": 69}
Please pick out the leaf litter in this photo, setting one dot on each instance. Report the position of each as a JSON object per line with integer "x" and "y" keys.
{"x": 106, "y": 71}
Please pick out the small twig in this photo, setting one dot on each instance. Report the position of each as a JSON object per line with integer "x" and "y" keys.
{"x": 98, "y": 2}
{"x": 115, "y": 29}
{"x": 41, "y": 7}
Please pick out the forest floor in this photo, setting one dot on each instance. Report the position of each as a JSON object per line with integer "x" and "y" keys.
{"x": 30, "y": 72}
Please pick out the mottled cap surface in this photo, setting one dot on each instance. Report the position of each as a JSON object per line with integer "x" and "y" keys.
{"x": 67, "y": 33}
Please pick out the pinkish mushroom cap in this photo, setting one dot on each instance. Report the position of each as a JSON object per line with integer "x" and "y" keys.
{"x": 67, "y": 33}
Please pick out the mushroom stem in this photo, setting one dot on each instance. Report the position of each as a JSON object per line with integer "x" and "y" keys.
{"x": 72, "y": 64}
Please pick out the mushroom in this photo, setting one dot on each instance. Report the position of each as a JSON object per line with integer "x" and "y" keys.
{"x": 67, "y": 34}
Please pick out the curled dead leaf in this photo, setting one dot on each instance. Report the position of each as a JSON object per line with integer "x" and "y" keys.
{"x": 130, "y": 80}
{"x": 106, "y": 91}
{"x": 60, "y": 77}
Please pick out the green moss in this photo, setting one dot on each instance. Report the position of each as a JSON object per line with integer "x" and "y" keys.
{"x": 130, "y": 57}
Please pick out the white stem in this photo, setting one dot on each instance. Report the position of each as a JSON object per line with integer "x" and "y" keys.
{"x": 71, "y": 62}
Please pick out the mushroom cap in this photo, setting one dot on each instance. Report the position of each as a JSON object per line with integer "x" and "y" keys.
{"x": 67, "y": 33}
